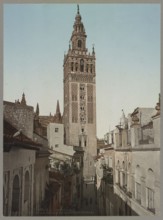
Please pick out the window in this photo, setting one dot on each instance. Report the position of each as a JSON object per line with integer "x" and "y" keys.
{"x": 123, "y": 165}
{"x": 76, "y": 66}
{"x": 79, "y": 43}
{"x": 82, "y": 87}
{"x": 91, "y": 66}
{"x": 82, "y": 65}
{"x": 15, "y": 197}
{"x": 82, "y": 108}
{"x": 56, "y": 129}
{"x": 72, "y": 66}
{"x": 82, "y": 97}
{"x": 124, "y": 179}
{"x": 118, "y": 176}
{"x": 118, "y": 172}
{"x": 112, "y": 138}
{"x": 138, "y": 192}
{"x": 150, "y": 194}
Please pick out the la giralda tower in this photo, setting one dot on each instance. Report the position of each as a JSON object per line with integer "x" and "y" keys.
{"x": 80, "y": 103}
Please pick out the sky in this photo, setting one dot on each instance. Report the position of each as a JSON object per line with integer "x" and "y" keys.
{"x": 127, "y": 47}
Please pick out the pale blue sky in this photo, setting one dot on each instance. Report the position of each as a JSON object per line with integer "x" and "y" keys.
{"x": 127, "y": 46}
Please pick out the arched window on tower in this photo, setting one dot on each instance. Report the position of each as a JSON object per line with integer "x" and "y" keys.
{"x": 76, "y": 66}
{"x": 82, "y": 65}
{"x": 91, "y": 68}
{"x": 72, "y": 66}
{"x": 79, "y": 43}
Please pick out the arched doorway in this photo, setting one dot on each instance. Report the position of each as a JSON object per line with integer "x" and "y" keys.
{"x": 16, "y": 197}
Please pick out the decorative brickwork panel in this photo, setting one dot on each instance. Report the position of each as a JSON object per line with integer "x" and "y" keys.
{"x": 82, "y": 103}
{"x": 82, "y": 78}
{"x": 90, "y": 112}
{"x": 74, "y": 92}
{"x": 90, "y": 93}
{"x": 75, "y": 112}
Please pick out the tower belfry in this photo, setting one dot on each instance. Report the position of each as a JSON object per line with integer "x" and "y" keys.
{"x": 80, "y": 100}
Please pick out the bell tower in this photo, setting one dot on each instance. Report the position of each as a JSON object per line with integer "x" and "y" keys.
{"x": 80, "y": 101}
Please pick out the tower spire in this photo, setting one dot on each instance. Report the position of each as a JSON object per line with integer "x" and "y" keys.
{"x": 57, "y": 116}
{"x": 78, "y": 37}
{"x": 57, "y": 108}
{"x": 37, "y": 109}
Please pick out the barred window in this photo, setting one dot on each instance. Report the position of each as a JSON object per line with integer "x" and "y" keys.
{"x": 150, "y": 196}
